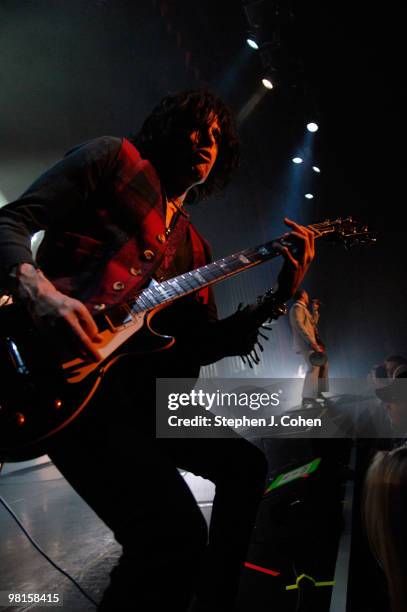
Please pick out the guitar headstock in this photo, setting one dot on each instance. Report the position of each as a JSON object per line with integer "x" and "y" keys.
{"x": 345, "y": 231}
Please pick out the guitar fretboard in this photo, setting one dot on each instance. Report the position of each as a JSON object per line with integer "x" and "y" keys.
{"x": 192, "y": 281}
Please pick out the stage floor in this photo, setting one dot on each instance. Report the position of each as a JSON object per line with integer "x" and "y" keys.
{"x": 67, "y": 530}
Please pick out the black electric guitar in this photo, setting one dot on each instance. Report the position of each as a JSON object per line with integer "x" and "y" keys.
{"x": 42, "y": 389}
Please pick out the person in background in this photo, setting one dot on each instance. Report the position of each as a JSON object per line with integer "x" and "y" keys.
{"x": 394, "y": 399}
{"x": 315, "y": 305}
{"x": 392, "y": 362}
{"x": 384, "y": 515}
{"x": 377, "y": 376}
{"x": 307, "y": 342}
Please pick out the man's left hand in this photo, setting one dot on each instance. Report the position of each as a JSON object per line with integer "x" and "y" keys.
{"x": 295, "y": 266}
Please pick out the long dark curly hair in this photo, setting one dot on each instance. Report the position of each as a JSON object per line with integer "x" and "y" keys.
{"x": 190, "y": 110}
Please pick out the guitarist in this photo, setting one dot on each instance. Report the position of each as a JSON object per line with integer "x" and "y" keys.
{"x": 113, "y": 214}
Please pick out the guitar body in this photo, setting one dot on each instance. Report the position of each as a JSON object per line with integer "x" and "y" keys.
{"x": 41, "y": 392}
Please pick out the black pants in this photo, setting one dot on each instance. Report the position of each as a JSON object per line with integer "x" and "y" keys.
{"x": 131, "y": 481}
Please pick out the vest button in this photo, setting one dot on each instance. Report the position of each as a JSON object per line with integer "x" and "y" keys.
{"x": 148, "y": 254}
{"x": 135, "y": 271}
{"x": 118, "y": 286}
{"x": 161, "y": 238}
{"x": 99, "y": 307}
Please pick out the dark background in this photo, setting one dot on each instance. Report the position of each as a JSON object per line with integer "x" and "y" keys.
{"x": 73, "y": 71}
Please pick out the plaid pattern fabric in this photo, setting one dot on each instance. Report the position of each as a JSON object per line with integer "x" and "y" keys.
{"x": 107, "y": 271}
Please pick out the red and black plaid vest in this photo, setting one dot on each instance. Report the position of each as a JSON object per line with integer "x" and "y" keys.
{"x": 99, "y": 270}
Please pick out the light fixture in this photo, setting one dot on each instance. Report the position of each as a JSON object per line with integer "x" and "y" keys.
{"x": 309, "y": 196}
{"x": 312, "y": 127}
{"x": 297, "y": 160}
{"x": 267, "y": 83}
{"x": 316, "y": 169}
{"x": 252, "y": 43}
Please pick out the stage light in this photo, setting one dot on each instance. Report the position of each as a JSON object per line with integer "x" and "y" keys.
{"x": 309, "y": 196}
{"x": 316, "y": 169}
{"x": 267, "y": 83}
{"x": 297, "y": 160}
{"x": 252, "y": 43}
{"x": 312, "y": 127}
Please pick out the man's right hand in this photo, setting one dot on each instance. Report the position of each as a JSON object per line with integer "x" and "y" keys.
{"x": 50, "y": 308}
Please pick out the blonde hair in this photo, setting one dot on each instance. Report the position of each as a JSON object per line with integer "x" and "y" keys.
{"x": 385, "y": 518}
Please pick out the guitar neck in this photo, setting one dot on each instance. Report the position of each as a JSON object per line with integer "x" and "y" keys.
{"x": 214, "y": 272}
